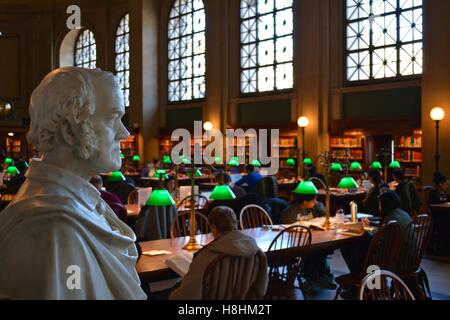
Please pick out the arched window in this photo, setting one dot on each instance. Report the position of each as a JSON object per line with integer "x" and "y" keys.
{"x": 122, "y": 63}
{"x": 266, "y": 45}
{"x": 384, "y": 39}
{"x": 86, "y": 50}
{"x": 186, "y": 51}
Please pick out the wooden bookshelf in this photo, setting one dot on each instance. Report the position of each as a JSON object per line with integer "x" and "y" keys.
{"x": 352, "y": 143}
{"x": 129, "y": 147}
{"x": 408, "y": 151}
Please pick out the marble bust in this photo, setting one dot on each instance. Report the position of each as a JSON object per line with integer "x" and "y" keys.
{"x": 59, "y": 239}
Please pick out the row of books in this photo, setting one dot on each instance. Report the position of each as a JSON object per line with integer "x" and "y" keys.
{"x": 354, "y": 154}
{"x": 409, "y": 142}
{"x": 413, "y": 171}
{"x": 408, "y": 155}
{"x": 346, "y": 142}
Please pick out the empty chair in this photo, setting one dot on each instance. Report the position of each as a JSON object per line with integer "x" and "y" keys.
{"x": 180, "y": 226}
{"x": 383, "y": 252}
{"x": 253, "y": 216}
{"x": 201, "y": 203}
{"x": 415, "y": 242}
{"x": 224, "y": 278}
{"x": 285, "y": 256}
{"x": 384, "y": 285}
{"x": 267, "y": 187}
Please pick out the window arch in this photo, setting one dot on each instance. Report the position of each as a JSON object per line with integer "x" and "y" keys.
{"x": 384, "y": 38}
{"x": 122, "y": 61}
{"x": 186, "y": 51}
{"x": 86, "y": 50}
{"x": 267, "y": 28}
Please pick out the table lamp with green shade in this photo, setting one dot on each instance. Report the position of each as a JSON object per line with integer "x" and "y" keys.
{"x": 116, "y": 176}
{"x": 218, "y": 160}
{"x": 307, "y": 161}
{"x": 12, "y": 170}
{"x": 290, "y": 162}
{"x": 394, "y": 165}
{"x": 185, "y": 160}
{"x": 160, "y": 173}
{"x": 256, "y": 163}
{"x": 197, "y": 173}
{"x": 233, "y": 162}
{"x": 336, "y": 167}
{"x": 376, "y": 165}
{"x": 166, "y": 160}
{"x": 347, "y": 183}
{"x": 8, "y": 160}
{"x": 355, "y": 166}
{"x": 136, "y": 157}
{"x": 160, "y": 198}
{"x": 222, "y": 192}
{"x": 122, "y": 156}
{"x": 306, "y": 187}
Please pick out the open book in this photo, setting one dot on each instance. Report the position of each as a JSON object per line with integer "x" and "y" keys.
{"x": 180, "y": 263}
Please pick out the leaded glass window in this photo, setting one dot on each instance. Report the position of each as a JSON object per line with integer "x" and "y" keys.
{"x": 384, "y": 38}
{"x": 86, "y": 50}
{"x": 266, "y": 45}
{"x": 122, "y": 62}
{"x": 186, "y": 51}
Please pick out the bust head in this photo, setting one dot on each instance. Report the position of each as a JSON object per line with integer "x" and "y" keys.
{"x": 76, "y": 119}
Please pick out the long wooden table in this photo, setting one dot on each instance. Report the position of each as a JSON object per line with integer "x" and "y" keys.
{"x": 154, "y": 268}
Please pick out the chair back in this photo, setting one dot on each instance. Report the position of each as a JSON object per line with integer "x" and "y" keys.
{"x": 426, "y": 197}
{"x": 139, "y": 196}
{"x": 253, "y": 216}
{"x": 414, "y": 244}
{"x": 231, "y": 277}
{"x": 318, "y": 183}
{"x": 181, "y": 227}
{"x": 122, "y": 190}
{"x": 384, "y": 285}
{"x": 385, "y": 246}
{"x": 284, "y": 259}
{"x": 267, "y": 187}
{"x": 201, "y": 203}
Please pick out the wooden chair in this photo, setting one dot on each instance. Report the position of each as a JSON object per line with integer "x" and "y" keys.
{"x": 133, "y": 197}
{"x": 253, "y": 216}
{"x": 390, "y": 287}
{"x": 224, "y": 278}
{"x": 180, "y": 226}
{"x": 415, "y": 242}
{"x": 201, "y": 204}
{"x": 426, "y": 197}
{"x": 318, "y": 183}
{"x": 383, "y": 252}
{"x": 284, "y": 259}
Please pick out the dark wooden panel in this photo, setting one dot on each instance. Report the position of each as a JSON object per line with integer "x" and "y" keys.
{"x": 9, "y": 67}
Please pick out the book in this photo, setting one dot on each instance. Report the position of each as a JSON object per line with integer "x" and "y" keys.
{"x": 180, "y": 263}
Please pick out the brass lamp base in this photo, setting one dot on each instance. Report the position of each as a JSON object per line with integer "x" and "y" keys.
{"x": 327, "y": 224}
{"x": 192, "y": 245}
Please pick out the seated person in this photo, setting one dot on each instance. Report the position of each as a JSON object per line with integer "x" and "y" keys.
{"x": 316, "y": 267}
{"x": 411, "y": 201}
{"x": 170, "y": 186}
{"x": 250, "y": 179}
{"x": 227, "y": 240}
{"x": 370, "y": 203}
{"x": 226, "y": 179}
{"x": 439, "y": 194}
{"x": 110, "y": 198}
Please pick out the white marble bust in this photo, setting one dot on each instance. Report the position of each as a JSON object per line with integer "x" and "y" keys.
{"x": 60, "y": 240}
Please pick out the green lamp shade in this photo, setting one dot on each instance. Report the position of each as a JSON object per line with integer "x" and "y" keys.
{"x": 8, "y": 161}
{"x": 185, "y": 160}
{"x": 290, "y": 162}
{"x": 335, "y": 167}
{"x": 348, "y": 183}
{"x": 394, "y": 165}
{"x": 217, "y": 160}
{"x": 306, "y": 187}
{"x": 233, "y": 163}
{"x": 355, "y": 166}
{"x": 160, "y": 173}
{"x": 166, "y": 160}
{"x": 197, "y": 173}
{"x": 307, "y": 161}
{"x": 222, "y": 192}
{"x": 236, "y": 158}
{"x": 256, "y": 163}
{"x": 122, "y": 156}
{"x": 136, "y": 158}
{"x": 116, "y": 176}
{"x": 12, "y": 170}
{"x": 160, "y": 198}
{"x": 376, "y": 165}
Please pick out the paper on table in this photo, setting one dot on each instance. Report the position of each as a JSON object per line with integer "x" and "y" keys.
{"x": 180, "y": 263}
{"x": 155, "y": 252}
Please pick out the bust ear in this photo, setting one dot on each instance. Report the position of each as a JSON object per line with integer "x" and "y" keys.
{"x": 67, "y": 133}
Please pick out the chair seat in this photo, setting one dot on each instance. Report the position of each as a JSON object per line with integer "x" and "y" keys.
{"x": 350, "y": 280}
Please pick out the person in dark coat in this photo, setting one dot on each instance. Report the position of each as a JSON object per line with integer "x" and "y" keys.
{"x": 439, "y": 194}
{"x": 110, "y": 198}
{"x": 411, "y": 201}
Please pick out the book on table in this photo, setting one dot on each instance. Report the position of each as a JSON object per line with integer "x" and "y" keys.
{"x": 180, "y": 263}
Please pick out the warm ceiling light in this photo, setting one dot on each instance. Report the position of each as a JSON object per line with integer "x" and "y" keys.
{"x": 11, "y": 134}
{"x": 437, "y": 114}
{"x": 207, "y": 126}
{"x": 8, "y": 106}
{"x": 303, "y": 122}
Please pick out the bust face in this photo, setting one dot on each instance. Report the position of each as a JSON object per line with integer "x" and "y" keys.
{"x": 108, "y": 126}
